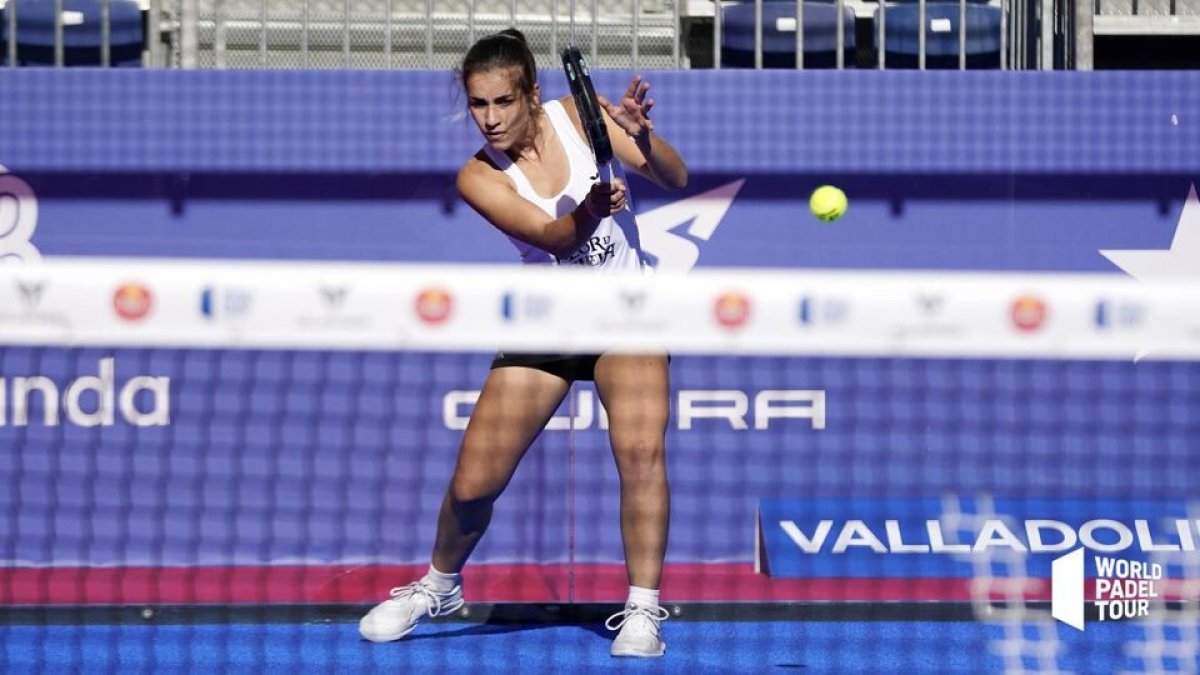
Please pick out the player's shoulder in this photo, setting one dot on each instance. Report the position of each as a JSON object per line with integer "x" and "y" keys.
{"x": 478, "y": 167}
{"x": 568, "y": 104}
{"x": 479, "y": 173}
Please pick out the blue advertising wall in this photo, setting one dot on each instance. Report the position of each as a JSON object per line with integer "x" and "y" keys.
{"x": 318, "y": 457}
{"x": 988, "y": 170}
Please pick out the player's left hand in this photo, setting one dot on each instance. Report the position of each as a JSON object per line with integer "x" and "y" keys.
{"x": 633, "y": 112}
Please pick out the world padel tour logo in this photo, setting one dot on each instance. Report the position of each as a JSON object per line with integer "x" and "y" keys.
{"x": 1029, "y": 313}
{"x": 434, "y": 305}
{"x": 732, "y": 310}
{"x": 133, "y": 302}
{"x": 1124, "y": 588}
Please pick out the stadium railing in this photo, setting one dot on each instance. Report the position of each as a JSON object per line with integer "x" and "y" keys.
{"x": 617, "y": 33}
{"x": 1034, "y": 34}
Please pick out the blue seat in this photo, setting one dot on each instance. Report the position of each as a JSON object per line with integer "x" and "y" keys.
{"x": 779, "y": 35}
{"x": 81, "y": 33}
{"x": 902, "y": 43}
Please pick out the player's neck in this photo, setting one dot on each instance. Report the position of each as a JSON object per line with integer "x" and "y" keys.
{"x": 535, "y": 148}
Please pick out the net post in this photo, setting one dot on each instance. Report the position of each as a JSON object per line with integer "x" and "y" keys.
{"x": 553, "y": 29}
{"x": 921, "y": 18}
{"x": 881, "y": 50}
{"x": 636, "y": 21}
{"x": 219, "y": 38}
{"x": 429, "y": 33}
{"x": 595, "y": 57}
{"x": 716, "y": 34}
{"x": 799, "y": 34}
{"x": 105, "y": 33}
{"x": 1005, "y": 37}
{"x": 841, "y": 34}
{"x": 10, "y": 14}
{"x": 470, "y": 23}
{"x": 962, "y": 34}
{"x": 676, "y": 52}
{"x": 346, "y": 34}
{"x": 758, "y": 34}
{"x": 1085, "y": 37}
{"x": 188, "y": 37}
{"x": 262, "y": 33}
{"x": 388, "y": 30}
{"x": 1046, "y": 51}
{"x": 58, "y": 34}
{"x": 154, "y": 28}
{"x": 304, "y": 56}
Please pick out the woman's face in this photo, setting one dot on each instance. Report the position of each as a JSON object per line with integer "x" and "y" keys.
{"x": 499, "y": 108}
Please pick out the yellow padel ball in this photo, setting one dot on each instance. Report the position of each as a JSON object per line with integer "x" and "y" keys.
{"x": 828, "y": 203}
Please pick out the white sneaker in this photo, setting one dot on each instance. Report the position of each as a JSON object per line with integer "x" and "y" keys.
{"x": 393, "y": 619}
{"x": 639, "y": 634}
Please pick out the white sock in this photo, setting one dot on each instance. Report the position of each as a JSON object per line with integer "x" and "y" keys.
{"x": 440, "y": 581}
{"x": 643, "y": 597}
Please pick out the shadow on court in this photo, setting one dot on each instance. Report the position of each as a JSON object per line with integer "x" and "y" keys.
{"x": 442, "y": 631}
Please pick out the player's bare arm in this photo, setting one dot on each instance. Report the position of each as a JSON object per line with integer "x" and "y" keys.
{"x": 491, "y": 194}
{"x": 634, "y": 140}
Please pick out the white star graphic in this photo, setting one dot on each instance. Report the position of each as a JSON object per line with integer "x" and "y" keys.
{"x": 701, "y": 213}
{"x": 1179, "y": 262}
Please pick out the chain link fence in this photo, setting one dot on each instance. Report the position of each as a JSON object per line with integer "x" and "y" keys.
{"x": 377, "y": 34}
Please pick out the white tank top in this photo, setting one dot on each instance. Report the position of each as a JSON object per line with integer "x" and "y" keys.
{"x": 615, "y": 245}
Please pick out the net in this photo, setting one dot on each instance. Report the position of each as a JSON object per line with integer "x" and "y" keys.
{"x": 224, "y": 465}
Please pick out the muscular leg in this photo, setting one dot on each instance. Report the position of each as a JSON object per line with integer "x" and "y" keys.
{"x": 513, "y": 407}
{"x": 634, "y": 390}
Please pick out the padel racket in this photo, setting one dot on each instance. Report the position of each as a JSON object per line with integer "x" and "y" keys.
{"x": 588, "y": 106}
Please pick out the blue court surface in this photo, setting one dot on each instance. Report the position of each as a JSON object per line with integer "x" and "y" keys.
{"x": 693, "y": 647}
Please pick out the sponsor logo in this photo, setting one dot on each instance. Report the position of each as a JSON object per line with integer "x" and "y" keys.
{"x": 434, "y": 305}
{"x": 694, "y": 408}
{"x": 732, "y": 310}
{"x": 30, "y": 296}
{"x": 1113, "y": 314}
{"x": 515, "y": 306}
{"x": 595, "y": 251}
{"x": 133, "y": 301}
{"x": 1124, "y": 588}
{"x": 18, "y": 219}
{"x": 224, "y": 303}
{"x": 632, "y": 301}
{"x": 337, "y": 314}
{"x": 633, "y": 311}
{"x": 88, "y": 401}
{"x": 1031, "y": 536}
{"x": 817, "y": 311}
{"x": 930, "y": 305}
{"x": 334, "y": 297}
{"x": 1029, "y": 313}
{"x": 929, "y": 309}
{"x": 993, "y": 541}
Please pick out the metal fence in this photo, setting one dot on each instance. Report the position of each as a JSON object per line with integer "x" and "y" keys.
{"x": 1020, "y": 34}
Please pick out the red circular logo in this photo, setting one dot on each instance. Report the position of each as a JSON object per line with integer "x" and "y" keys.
{"x": 434, "y": 305}
{"x": 1029, "y": 313}
{"x": 732, "y": 310}
{"x": 132, "y": 302}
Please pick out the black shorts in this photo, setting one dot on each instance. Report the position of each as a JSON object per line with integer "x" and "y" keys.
{"x": 570, "y": 367}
